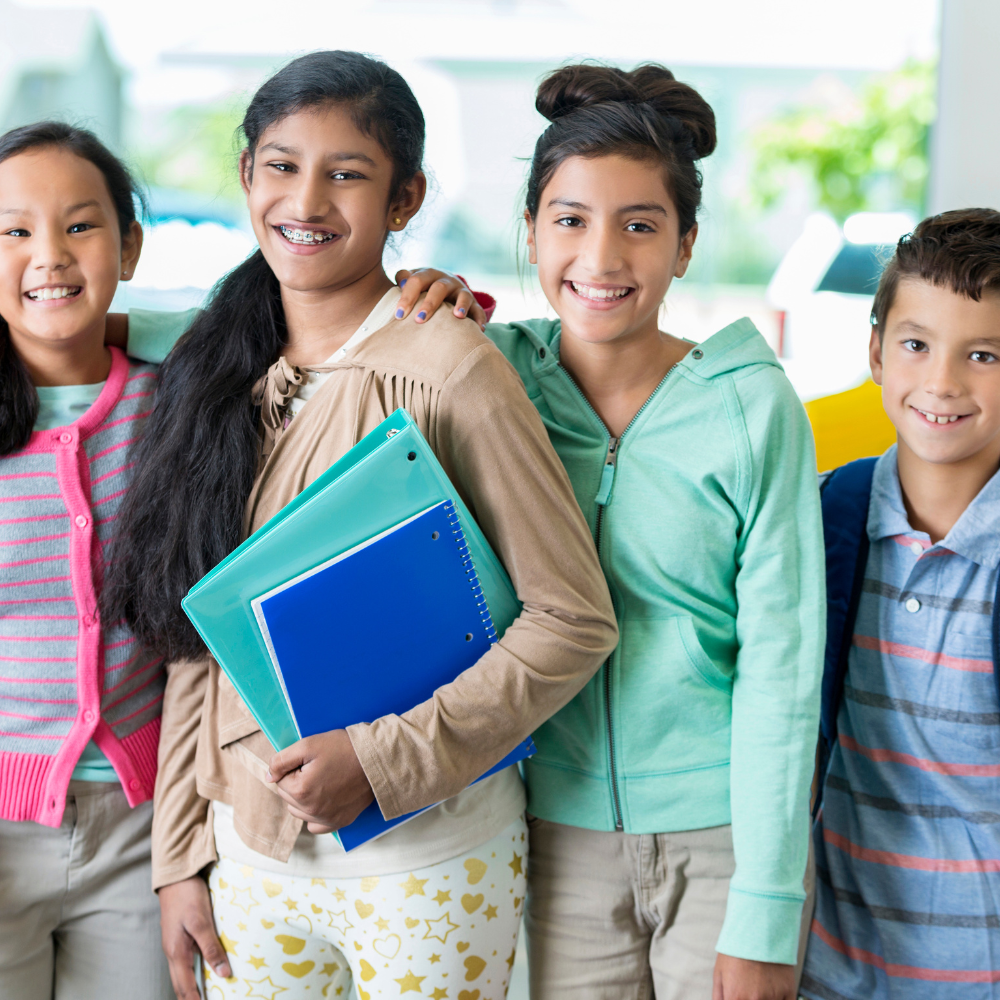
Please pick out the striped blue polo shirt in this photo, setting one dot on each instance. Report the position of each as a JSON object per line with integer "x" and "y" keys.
{"x": 908, "y": 840}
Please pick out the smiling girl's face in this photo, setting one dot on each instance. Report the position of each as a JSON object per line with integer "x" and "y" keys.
{"x": 61, "y": 249}
{"x": 319, "y": 194}
{"x": 607, "y": 243}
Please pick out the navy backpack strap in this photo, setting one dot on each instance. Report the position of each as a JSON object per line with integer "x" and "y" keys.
{"x": 844, "y": 495}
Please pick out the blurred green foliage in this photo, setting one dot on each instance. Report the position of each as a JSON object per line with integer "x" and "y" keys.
{"x": 863, "y": 152}
{"x": 197, "y": 149}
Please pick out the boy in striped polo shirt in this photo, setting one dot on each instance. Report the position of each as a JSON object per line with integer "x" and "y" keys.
{"x": 908, "y": 838}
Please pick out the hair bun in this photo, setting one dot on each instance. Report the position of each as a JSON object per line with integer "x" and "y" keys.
{"x": 581, "y": 86}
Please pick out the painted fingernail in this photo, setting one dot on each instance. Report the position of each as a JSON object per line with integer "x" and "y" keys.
{"x": 399, "y": 314}
{"x": 421, "y": 315}
{"x": 461, "y": 312}
{"x": 403, "y": 282}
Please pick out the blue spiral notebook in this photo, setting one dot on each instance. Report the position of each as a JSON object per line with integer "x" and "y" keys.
{"x": 339, "y": 663}
{"x": 388, "y": 480}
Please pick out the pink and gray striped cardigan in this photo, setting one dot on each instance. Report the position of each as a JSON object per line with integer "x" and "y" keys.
{"x": 66, "y": 677}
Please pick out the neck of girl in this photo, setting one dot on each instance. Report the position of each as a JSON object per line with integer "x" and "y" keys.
{"x": 320, "y": 321}
{"x": 80, "y": 360}
{"x": 618, "y": 376}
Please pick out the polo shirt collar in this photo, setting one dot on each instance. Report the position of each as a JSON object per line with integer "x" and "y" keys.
{"x": 974, "y": 536}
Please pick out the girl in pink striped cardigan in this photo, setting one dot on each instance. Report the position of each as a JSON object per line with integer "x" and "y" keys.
{"x": 80, "y": 701}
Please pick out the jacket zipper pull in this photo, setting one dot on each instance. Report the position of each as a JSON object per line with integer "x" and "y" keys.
{"x": 608, "y": 474}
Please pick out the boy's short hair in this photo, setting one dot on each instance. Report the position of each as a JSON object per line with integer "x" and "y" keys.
{"x": 959, "y": 250}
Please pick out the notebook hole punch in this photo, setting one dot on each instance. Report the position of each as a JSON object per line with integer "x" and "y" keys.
{"x": 468, "y": 637}
{"x": 411, "y": 456}
{"x": 435, "y": 535}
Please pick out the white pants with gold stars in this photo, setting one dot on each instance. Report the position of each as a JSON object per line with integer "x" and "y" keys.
{"x": 447, "y": 931}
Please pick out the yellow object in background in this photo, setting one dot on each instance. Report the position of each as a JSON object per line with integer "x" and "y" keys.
{"x": 849, "y": 425}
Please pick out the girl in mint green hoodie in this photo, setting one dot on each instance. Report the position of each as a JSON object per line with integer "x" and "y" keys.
{"x": 669, "y": 799}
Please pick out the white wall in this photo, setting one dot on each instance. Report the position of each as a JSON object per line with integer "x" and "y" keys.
{"x": 965, "y": 142}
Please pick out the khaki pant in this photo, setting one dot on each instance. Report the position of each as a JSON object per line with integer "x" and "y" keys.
{"x": 617, "y": 916}
{"x": 78, "y": 917}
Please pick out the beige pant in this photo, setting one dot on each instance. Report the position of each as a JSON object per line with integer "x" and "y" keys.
{"x": 78, "y": 917}
{"x": 617, "y": 916}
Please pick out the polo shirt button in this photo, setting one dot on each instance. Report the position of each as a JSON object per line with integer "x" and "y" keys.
{"x": 81, "y": 521}
{"x": 912, "y": 605}
{"x": 89, "y": 716}
{"x": 135, "y": 784}
{"x": 65, "y": 438}
{"x": 916, "y": 548}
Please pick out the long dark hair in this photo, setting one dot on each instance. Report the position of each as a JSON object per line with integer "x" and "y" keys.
{"x": 18, "y": 398}
{"x": 195, "y": 465}
{"x": 645, "y": 113}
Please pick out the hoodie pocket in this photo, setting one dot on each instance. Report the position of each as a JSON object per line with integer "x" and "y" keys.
{"x": 672, "y": 706}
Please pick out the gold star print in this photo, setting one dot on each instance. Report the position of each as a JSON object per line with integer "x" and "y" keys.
{"x": 246, "y": 902}
{"x": 339, "y": 922}
{"x": 339, "y": 895}
{"x": 241, "y": 926}
{"x": 439, "y": 994}
{"x": 329, "y": 968}
{"x": 292, "y": 905}
{"x": 490, "y": 912}
{"x": 319, "y": 881}
{"x": 414, "y": 886}
{"x": 447, "y": 928}
{"x": 434, "y": 958}
{"x": 267, "y": 989}
{"x": 246, "y": 871}
{"x": 443, "y": 896}
{"x": 510, "y": 961}
{"x": 227, "y": 943}
{"x": 515, "y": 865}
{"x": 410, "y": 983}
{"x": 382, "y": 924}
{"x": 256, "y": 962}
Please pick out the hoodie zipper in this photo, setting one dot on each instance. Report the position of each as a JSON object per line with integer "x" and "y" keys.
{"x": 603, "y": 495}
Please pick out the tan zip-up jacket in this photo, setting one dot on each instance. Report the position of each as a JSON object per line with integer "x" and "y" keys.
{"x": 471, "y": 406}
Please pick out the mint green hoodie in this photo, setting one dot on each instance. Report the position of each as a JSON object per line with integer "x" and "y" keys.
{"x": 706, "y": 515}
{"x": 707, "y": 519}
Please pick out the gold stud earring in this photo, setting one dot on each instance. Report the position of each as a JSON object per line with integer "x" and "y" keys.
{"x": 397, "y": 220}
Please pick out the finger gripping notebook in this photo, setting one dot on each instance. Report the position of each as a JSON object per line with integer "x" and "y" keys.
{"x": 339, "y": 663}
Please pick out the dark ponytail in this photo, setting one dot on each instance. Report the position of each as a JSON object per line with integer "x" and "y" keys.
{"x": 18, "y": 398}
{"x": 195, "y": 465}
{"x": 644, "y": 113}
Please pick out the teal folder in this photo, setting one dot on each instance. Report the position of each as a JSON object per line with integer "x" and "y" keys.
{"x": 388, "y": 477}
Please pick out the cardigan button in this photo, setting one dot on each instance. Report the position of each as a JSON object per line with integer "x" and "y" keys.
{"x": 81, "y": 521}
{"x": 135, "y": 784}
{"x": 89, "y": 716}
{"x": 65, "y": 437}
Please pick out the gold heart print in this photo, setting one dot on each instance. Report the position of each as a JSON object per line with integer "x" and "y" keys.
{"x": 368, "y": 884}
{"x": 462, "y": 945}
{"x": 476, "y": 870}
{"x": 472, "y": 903}
{"x": 272, "y": 888}
{"x": 300, "y": 970}
{"x": 365, "y": 910}
{"x": 268, "y": 924}
{"x": 290, "y": 945}
{"x": 468, "y": 995}
{"x": 367, "y": 972}
{"x": 411, "y": 922}
{"x": 474, "y": 966}
{"x": 387, "y": 947}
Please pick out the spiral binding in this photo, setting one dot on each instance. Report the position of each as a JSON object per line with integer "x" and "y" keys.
{"x": 470, "y": 570}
